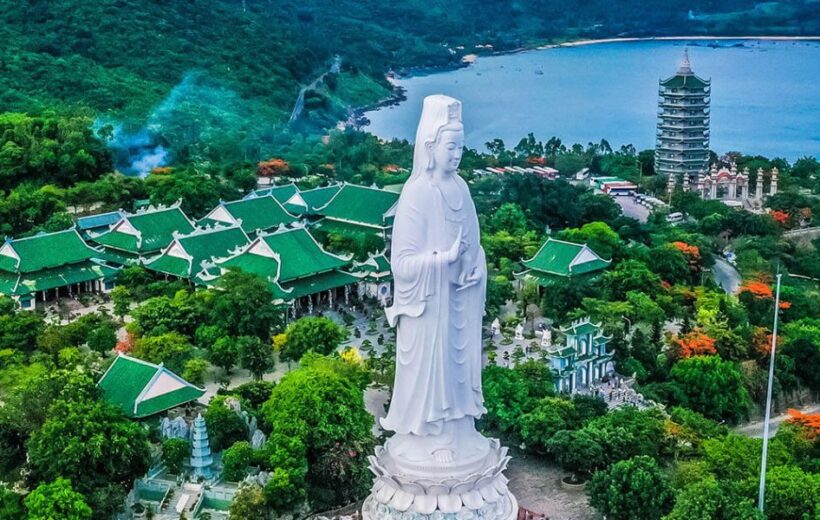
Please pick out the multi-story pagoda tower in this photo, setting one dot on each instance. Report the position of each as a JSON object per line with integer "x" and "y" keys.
{"x": 201, "y": 459}
{"x": 682, "y": 148}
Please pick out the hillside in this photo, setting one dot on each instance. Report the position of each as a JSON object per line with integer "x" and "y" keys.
{"x": 217, "y": 79}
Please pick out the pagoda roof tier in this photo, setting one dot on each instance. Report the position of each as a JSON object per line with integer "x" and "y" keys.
{"x": 145, "y": 231}
{"x": 365, "y": 206}
{"x": 685, "y": 81}
{"x": 261, "y": 213}
{"x": 44, "y": 251}
{"x": 561, "y": 258}
{"x": 141, "y": 389}
{"x": 187, "y": 254}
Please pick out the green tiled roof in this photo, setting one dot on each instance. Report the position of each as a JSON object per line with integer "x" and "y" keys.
{"x": 688, "y": 81}
{"x": 300, "y": 254}
{"x": 376, "y": 267}
{"x": 44, "y": 251}
{"x": 64, "y": 276}
{"x": 556, "y": 257}
{"x": 201, "y": 246}
{"x": 155, "y": 227}
{"x": 319, "y": 283}
{"x": 256, "y": 213}
{"x": 338, "y": 227}
{"x": 362, "y": 205}
{"x": 318, "y": 197}
{"x": 141, "y": 388}
{"x": 98, "y": 221}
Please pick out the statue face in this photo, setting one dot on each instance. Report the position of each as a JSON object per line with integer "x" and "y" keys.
{"x": 448, "y": 149}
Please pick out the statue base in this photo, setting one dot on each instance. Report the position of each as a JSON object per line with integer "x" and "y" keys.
{"x": 466, "y": 489}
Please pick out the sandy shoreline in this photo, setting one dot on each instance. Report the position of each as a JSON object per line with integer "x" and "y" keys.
{"x": 580, "y": 43}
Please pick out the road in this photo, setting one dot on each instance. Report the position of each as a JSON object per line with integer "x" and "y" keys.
{"x": 726, "y": 276}
{"x": 632, "y": 209}
{"x": 754, "y": 429}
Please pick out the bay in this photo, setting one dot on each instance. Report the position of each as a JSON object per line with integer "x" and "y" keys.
{"x": 765, "y": 95}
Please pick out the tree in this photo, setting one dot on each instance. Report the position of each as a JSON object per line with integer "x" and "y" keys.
{"x": 195, "y": 370}
{"x": 505, "y": 397}
{"x": 108, "y": 449}
{"x": 630, "y": 275}
{"x": 174, "y": 453}
{"x": 579, "y": 451}
{"x": 171, "y": 348}
{"x": 244, "y": 306}
{"x": 249, "y": 502}
{"x": 255, "y": 355}
{"x": 548, "y": 416}
{"x": 695, "y": 343}
{"x": 791, "y": 493}
{"x": 235, "y": 461}
{"x": 321, "y": 335}
{"x": 713, "y": 387}
{"x": 121, "y": 298}
{"x": 254, "y": 393}
{"x": 56, "y": 500}
{"x": 11, "y": 504}
{"x": 510, "y": 218}
{"x": 708, "y": 500}
{"x": 537, "y": 378}
{"x": 598, "y": 236}
{"x": 224, "y": 353}
{"x": 102, "y": 339}
{"x": 735, "y": 457}
{"x": 225, "y": 426}
{"x": 632, "y": 488}
{"x": 325, "y": 411}
{"x": 670, "y": 263}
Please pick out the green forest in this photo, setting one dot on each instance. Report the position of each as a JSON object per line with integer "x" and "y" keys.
{"x": 216, "y": 80}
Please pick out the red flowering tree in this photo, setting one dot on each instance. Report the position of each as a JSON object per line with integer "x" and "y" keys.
{"x": 810, "y": 422}
{"x": 781, "y": 217}
{"x": 756, "y": 288}
{"x": 695, "y": 343}
{"x": 272, "y": 168}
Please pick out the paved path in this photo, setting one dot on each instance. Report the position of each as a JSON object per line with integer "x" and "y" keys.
{"x": 754, "y": 429}
{"x": 726, "y": 276}
{"x": 536, "y": 484}
{"x": 632, "y": 209}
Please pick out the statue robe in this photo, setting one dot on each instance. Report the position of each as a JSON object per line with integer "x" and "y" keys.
{"x": 438, "y": 358}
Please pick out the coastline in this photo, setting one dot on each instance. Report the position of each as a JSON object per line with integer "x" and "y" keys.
{"x": 579, "y": 43}
{"x": 359, "y": 121}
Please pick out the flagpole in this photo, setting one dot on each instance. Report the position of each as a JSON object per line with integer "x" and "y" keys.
{"x": 762, "y": 492}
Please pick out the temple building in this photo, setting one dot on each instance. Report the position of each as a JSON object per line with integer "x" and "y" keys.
{"x": 52, "y": 265}
{"x": 735, "y": 188}
{"x": 359, "y": 210}
{"x": 300, "y": 271}
{"x": 144, "y": 233}
{"x": 377, "y": 280}
{"x": 189, "y": 254}
{"x": 558, "y": 259}
{"x": 263, "y": 213}
{"x": 141, "y": 389}
{"x": 582, "y": 357}
{"x": 682, "y": 148}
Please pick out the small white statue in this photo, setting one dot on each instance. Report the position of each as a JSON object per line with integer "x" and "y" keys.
{"x": 495, "y": 327}
{"x": 546, "y": 337}
{"x": 519, "y": 332}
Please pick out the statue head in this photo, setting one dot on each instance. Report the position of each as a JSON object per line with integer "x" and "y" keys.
{"x": 440, "y": 136}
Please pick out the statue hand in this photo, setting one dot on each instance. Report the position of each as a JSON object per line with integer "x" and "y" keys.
{"x": 458, "y": 247}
